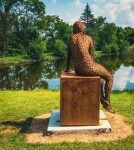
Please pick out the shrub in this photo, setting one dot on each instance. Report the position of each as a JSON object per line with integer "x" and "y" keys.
{"x": 110, "y": 48}
{"x": 12, "y": 51}
{"x": 35, "y": 50}
{"x": 60, "y": 48}
{"x": 106, "y": 49}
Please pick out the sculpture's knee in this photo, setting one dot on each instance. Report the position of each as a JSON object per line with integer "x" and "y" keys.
{"x": 110, "y": 77}
{"x": 102, "y": 81}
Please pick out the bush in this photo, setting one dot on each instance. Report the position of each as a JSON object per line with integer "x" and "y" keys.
{"x": 110, "y": 48}
{"x": 114, "y": 48}
{"x": 35, "y": 50}
{"x": 44, "y": 43}
{"x": 12, "y": 51}
{"x": 60, "y": 48}
{"x": 106, "y": 49}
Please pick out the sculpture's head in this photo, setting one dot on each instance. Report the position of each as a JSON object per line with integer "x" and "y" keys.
{"x": 78, "y": 27}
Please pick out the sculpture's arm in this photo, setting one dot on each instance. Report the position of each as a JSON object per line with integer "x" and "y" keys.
{"x": 91, "y": 52}
{"x": 69, "y": 55}
{"x": 91, "y": 49}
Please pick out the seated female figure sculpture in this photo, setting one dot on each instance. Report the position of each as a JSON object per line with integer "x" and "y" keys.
{"x": 80, "y": 47}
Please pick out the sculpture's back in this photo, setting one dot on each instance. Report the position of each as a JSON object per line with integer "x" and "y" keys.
{"x": 80, "y": 47}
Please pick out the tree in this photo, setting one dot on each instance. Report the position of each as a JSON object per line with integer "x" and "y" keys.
{"x": 110, "y": 48}
{"x": 112, "y": 38}
{"x": 94, "y": 31}
{"x": 56, "y": 29}
{"x": 64, "y": 31}
{"x": 60, "y": 48}
{"x": 107, "y": 35}
{"x": 93, "y": 25}
{"x": 121, "y": 39}
{"x": 87, "y": 17}
{"x": 7, "y": 9}
{"x": 19, "y": 16}
{"x": 35, "y": 50}
{"x": 129, "y": 33}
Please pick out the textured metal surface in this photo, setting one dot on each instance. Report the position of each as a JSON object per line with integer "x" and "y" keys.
{"x": 80, "y": 48}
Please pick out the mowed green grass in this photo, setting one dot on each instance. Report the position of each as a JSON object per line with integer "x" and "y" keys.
{"x": 25, "y": 59}
{"x": 18, "y": 108}
{"x": 12, "y": 59}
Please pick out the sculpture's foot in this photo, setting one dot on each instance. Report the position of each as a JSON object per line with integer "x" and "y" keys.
{"x": 108, "y": 107}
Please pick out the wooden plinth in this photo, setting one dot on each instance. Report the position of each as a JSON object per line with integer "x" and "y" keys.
{"x": 79, "y": 99}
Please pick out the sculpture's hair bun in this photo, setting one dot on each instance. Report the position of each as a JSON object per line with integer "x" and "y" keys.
{"x": 78, "y": 27}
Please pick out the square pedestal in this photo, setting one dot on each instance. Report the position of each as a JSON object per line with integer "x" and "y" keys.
{"x": 54, "y": 124}
{"x": 79, "y": 100}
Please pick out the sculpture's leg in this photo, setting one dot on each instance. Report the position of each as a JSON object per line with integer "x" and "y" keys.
{"x": 104, "y": 74}
{"x": 108, "y": 86}
{"x": 102, "y": 97}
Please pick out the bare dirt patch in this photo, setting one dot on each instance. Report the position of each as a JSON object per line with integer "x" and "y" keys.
{"x": 37, "y": 133}
{"x": 9, "y": 130}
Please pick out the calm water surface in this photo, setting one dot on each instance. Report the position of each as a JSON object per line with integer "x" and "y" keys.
{"x": 46, "y": 74}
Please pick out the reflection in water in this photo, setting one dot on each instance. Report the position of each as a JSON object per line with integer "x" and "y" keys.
{"x": 46, "y": 74}
{"x": 53, "y": 83}
{"x": 124, "y": 78}
{"x": 31, "y": 76}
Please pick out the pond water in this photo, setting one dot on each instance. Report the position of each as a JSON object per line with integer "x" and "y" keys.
{"x": 46, "y": 74}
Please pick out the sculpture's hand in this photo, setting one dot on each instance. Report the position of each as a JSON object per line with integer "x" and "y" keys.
{"x": 67, "y": 70}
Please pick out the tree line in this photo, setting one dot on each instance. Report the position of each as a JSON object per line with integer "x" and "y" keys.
{"x": 25, "y": 29}
{"x": 107, "y": 37}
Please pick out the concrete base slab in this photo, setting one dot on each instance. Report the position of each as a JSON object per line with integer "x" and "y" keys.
{"x": 54, "y": 124}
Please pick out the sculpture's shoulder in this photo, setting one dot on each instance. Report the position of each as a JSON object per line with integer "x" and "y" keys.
{"x": 73, "y": 38}
{"x": 89, "y": 40}
{"x": 88, "y": 37}
{"x": 76, "y": 37}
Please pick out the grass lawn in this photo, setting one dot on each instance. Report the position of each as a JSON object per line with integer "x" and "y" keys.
{"x": 17, "y": 108}
{"x": 25, "y": 59}
{"x": 50, "y": 56}
{"x": 98, "y": 53}
{"x": 12, "y": 59}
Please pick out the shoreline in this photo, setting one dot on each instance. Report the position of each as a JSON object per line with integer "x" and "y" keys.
{"x": 6, "y": 61}
{"x": 22, "y": 60}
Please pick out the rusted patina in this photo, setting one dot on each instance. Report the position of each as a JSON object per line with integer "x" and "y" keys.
{"x": 80, "y": 48}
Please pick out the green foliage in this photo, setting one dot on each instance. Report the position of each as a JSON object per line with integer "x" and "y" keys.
{"x": 22, "y": 22}
{"x": 130, "y": 52}
{"x": 60, "y": 48}
{"x": 50, "y": 56}
{"x": 95, "y": 29}
{"x": 87, "y": 17}
{"x": 129, "y": 32}
{"x": 110, "y": 48}
{"x": 44, "y": 47}
{"x": 8, "y": 60}
{"x": 18, "y": 18}
{"x": 16, "y": 51}
{"x": 35, "y": 50}
{"x": 107, "y": 37}
{"x": 106, "y": 48}
{"x": 56, "y": 29}
{"x": 8, "y": 9}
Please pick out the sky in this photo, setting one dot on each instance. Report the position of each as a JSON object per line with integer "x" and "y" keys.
{"x": 121, "y": 12}
{"x": 124, "y": 78}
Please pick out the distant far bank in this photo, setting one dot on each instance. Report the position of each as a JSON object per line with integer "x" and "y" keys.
{"x": 24, "y": 59}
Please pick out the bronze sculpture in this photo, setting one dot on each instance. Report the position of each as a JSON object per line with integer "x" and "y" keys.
{"x": 80, "y": 47}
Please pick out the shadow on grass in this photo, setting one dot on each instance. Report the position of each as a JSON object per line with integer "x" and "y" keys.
{"x": 30, "y": 125}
